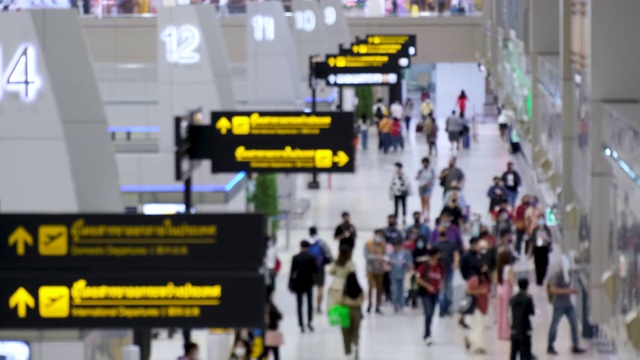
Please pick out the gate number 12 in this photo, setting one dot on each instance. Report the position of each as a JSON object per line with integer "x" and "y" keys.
{"x": 21, "y": 75}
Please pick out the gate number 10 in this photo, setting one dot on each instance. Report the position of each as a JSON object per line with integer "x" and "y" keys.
{"x": 21, "y": 75}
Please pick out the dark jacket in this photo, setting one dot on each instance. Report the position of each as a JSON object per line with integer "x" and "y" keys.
{"x": 521, "y": 307}
{"x": 273, "y": 316}
{"x": 303, "y": 268}
{"x": 470, "y": 263}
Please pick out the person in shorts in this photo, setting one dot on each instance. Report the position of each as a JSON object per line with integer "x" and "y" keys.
{"x": 426, "y": 178}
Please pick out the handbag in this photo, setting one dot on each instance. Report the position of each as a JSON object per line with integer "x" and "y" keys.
{"x": 273, "y": 338}
{"x": 467, "y": 305}
{"x": 340, "y": 315}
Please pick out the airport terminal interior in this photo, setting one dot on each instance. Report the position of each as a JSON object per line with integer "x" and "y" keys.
{"x": 319, "y": 179}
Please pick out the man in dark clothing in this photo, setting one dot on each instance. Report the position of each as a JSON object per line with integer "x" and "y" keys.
{"x": 521, "y": 307}
{"x": 346, "y": 232}
{"x": 512, "y": 182}
{"x": 497, "y": 194}
{"x": 468, "y": 263}
{"x": 449, "y": 259}
{"x": 392, "y": 234}
{"x": 303, "y": 270}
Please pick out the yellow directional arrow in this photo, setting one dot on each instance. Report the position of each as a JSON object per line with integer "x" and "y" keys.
{"x": 223, "y": 124}
{"x": 341, "y": 158}
{"x": 21, "y": 299}
{"x": 20, "y": 237}
{"x": 331, "y": 61}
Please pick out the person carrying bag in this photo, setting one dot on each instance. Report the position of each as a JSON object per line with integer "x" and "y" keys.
{"x": 353, "y": 296}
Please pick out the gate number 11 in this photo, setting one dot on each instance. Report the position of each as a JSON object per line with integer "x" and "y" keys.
{"x": 21, "y": 75}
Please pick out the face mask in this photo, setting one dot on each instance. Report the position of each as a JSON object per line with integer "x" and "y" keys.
{"x": 505, "y": 216}
{"x": 240, "y": 351}
{"x": 446, "y": 224}
{"x": 420, "y": 244}
{"x": 377, "y": 239}
{"x": 541, "y": 222}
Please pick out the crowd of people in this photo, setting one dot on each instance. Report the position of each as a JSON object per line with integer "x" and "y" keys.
{"x": 408, "y": 265}
{"x": 414, "y": 265}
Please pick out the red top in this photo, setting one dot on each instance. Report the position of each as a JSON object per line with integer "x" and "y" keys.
{"x": 433, "y": 275}
{"x": 482, "y": 301}
{"x": 462, "y": 103}
{"x": 409, "y": 245}
{"x": 520, "y": 211}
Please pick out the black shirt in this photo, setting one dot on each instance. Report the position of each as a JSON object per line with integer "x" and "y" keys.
{"x": 393, "y": 235}
{"x": 511, "y": 180}
{"x": 350, "y": 240}
{"x": 521, "y": 310}
{"x": 303, "y": 268}
{"x": 455, "y": 213}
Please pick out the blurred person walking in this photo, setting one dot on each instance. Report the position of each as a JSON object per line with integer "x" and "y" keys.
{"x": 322, "y": 253}
{"x": 430, "y": 277}
{"x": 345, "y": 233}
{"x": 561, "y": 292}
{"x": 512, "y": 182}
{"x": 353, "y": 296}
{"x": 506, "y": 282}
{"x": 539, "y": 246}
{"x": 363, "y": 129}
{"x": 522, "y": 309}
{"x": 453, "y": 127}
{"x": 385, "y": 139}
{"x": 461, "y": 103}
{"x": 340, "y": 269}
{"x": 399, "y": 191}
{"x": 478, "y": 286}
{"x": 273, "y": 338}
{"x": 374, "y": 253}
{"x": 450, "y": 261}
{"x": 430, "y": 129}
{"x": 426, "y": 178}
{"x": 408, "y": 113}
{"x": 303, "y": 270}
{"x": 401, "y": 263}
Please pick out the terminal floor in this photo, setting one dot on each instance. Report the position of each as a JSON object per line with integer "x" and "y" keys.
{"x": 365, "y": 195}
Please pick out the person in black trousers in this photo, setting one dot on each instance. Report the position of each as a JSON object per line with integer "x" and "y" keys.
{"x": 540, "y": 246}
{"x": 303, "y": 269}
{"x": 521, "y": 307}
{"x": 273, "y": 338}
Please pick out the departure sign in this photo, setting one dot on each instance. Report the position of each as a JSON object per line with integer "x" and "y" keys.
{"x": 151, "y": 299}
{"x": 282, "y": 141}
{"x": 130, "y": 242}
{"x": 360, "y": 69}
{"x": 408, "y": 40}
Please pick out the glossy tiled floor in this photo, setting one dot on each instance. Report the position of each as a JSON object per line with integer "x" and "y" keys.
{"x": 365, "y": 195}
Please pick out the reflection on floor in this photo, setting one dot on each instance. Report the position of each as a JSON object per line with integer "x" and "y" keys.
{"x": 365, "y": 195}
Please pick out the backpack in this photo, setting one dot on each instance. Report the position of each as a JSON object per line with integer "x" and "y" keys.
{"x": 318, "y": 253}
{"x": 379, "y": 113}
{"x": 396, "y": 129}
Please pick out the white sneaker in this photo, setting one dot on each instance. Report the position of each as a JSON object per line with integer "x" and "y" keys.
{"x": 428, "y": 341}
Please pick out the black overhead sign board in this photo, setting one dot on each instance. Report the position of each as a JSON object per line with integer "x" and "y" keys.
{"x": 282, "y": 142}
{"x": 122, "y": 300}
{"x": 130, "y": 242}
{"x": 373, "y": 60}
{"x": 380, "y": 40}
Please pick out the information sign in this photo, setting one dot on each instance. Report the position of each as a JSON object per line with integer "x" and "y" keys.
{"x": 150, "y": 299}
{"x": 408, "y": 40}
{"x": 282, "y": 141}
{"x": 131, "y": 242}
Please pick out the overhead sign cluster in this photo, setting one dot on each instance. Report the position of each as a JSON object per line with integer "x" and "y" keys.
{"x": 373, "y": 60}
{"x": 275, "y": 142}
{"x": 131, "y": 270}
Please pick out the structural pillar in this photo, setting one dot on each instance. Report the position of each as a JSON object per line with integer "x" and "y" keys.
{"x": 569, "y": 121}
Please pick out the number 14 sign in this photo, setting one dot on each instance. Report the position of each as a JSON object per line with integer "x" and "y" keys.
{"x": 21, "y": 75}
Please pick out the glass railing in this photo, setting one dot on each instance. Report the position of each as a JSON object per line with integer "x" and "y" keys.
{"x": 353, "y": 8}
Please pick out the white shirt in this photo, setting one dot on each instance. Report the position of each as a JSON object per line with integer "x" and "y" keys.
{"x": 426, "y": 177}
{"x": 270, "y": 257}
{"x": 396, "y": 110}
